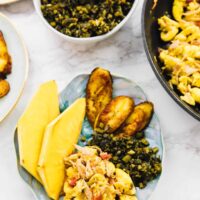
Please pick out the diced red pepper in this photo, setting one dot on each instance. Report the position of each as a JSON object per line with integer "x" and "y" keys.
{"x": 198, "y": 23}
{"x": 72, "y": 182}
{"x": 105, "y": 156}
{"x": 98, "y": 198}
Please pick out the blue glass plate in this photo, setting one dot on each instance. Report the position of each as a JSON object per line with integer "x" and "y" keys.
{"x": 76, "y": 89}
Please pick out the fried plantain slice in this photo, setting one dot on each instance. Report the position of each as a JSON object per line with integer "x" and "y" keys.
{"x": 4, "y": 88}
{"x": 5, "y": 59}
{"x": 114, "y": 114}
{"x": 98, "y": 93}
{"x": 139, "y": 118}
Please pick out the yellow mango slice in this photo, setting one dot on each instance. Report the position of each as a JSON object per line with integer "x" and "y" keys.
{"x": 60, "y": 138}
{"x": 43, "y": 108}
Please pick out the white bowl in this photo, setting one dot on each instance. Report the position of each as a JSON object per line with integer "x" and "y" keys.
{"x": 37, "y": 4}
{"x": 4, "y": 2}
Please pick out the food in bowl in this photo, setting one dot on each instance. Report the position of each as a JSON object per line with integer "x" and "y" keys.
{"x": 85, "y": 18}
{"x": 5, "y": 66}
{"x": 181, "y": 57}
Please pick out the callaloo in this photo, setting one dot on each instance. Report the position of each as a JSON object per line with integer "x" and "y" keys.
{"x": 85, "y": 18}
{"x": 133, "y": 154}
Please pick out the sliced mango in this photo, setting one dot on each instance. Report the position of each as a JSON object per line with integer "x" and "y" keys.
{"x": 60, "y": 138}
{"x": 43, "y": 108}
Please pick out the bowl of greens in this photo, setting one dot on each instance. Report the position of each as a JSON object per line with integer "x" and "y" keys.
{"x": 85, "y": 21}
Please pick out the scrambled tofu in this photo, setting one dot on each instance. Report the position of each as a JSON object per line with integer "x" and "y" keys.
{"x": 91, "y": 176}
{"x": 181, "y": 59}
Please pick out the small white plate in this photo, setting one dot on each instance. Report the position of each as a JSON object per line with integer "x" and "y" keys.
{"x": 3, "y": 2}
{"x": 17, "y": 78}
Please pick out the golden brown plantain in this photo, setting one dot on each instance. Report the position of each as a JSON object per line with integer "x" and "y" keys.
{"x": 98, "y": 93}
{"x": 5, "y": 59}
{"x": 139, "y": 118}
{"x": 114, "y": 114}
{"x": 4, "y": 88}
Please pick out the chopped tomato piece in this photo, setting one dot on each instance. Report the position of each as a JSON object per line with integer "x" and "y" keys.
{"x": 98, "y": 197}
{"x": 198, "y": 23}
{"x": 105, "y": 156}
{"x": 72, "y": 182}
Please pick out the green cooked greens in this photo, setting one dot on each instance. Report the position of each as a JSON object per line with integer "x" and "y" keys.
{"x": 85, "y": 18}
{"x": 132, "y": 154}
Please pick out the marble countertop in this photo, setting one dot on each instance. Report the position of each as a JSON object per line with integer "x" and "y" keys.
{"x": 53, "y": 58}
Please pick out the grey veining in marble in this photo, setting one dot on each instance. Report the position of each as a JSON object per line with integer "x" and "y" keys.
{"x": 123, "y": 54}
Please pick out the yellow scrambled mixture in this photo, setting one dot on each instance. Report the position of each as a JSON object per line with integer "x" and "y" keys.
{"x": 91, "y": 176}
{"x": 182, "y": 57}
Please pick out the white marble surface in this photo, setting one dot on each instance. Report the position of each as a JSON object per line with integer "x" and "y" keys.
{"x": 123, "y": 54}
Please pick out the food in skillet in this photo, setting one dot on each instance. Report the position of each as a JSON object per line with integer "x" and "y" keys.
{"x": 98, "y": 93}
{"x": 91, "y": 176}
{"x": 85, "y": 18}
{"x": 181, "y": 57}
{"x": 5, "y": 67}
